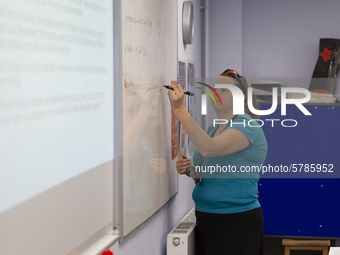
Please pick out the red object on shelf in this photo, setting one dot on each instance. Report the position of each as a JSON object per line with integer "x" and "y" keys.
{"x": 107, "y": 252}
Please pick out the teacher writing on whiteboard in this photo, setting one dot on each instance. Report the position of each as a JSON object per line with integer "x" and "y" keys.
{"x": 229, "y": 219}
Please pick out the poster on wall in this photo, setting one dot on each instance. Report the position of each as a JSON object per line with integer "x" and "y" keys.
{"x": 174, "y": 131}
{"x": 182, "y": 80}
{"x": 191, "y": 74}
{"x": 191, "y": 101}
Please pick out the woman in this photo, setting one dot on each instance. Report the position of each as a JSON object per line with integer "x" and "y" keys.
{"x": 229, "y": 218}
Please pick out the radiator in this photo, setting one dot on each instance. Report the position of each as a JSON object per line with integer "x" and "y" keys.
{"x": 181, "y": 240}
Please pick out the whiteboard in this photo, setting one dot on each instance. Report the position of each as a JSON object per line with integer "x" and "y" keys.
{"x": 149, "y": 61}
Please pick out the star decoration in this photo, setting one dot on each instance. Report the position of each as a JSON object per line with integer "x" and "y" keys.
{"x": 326, "y": 54}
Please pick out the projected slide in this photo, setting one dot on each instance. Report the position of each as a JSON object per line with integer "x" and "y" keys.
{"x": 56, "y": 93}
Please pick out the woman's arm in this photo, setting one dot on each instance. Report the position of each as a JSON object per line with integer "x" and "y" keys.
{"x": 230, "y": 141}
{"x": 133, "y": 131}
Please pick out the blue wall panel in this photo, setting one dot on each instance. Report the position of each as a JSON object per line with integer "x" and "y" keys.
{"x": 305, "y": 204}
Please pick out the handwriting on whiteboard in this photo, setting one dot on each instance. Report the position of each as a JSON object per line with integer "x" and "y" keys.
{"x": 136, "y": 50}
{"x": 137, "y": 21}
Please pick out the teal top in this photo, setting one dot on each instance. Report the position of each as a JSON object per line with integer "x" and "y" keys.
{"x": 233, "y": 186}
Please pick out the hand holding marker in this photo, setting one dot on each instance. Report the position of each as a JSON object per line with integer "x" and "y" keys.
{"x": 185, "y": 92}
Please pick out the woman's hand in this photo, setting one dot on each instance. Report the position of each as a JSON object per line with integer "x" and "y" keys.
{"x": 176, "y": 97}
{"x": 183, "y": 165}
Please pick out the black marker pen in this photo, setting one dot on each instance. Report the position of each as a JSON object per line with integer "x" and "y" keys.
{"x": 185, "y": 92}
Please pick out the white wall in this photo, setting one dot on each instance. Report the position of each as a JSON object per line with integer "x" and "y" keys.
{"x": 281, "y": 38}
{"x": 270, "y": 38}
{"x": 151, "y": 238}
{"x": 225, "y": 36}
{"x": 224, "y": 46}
